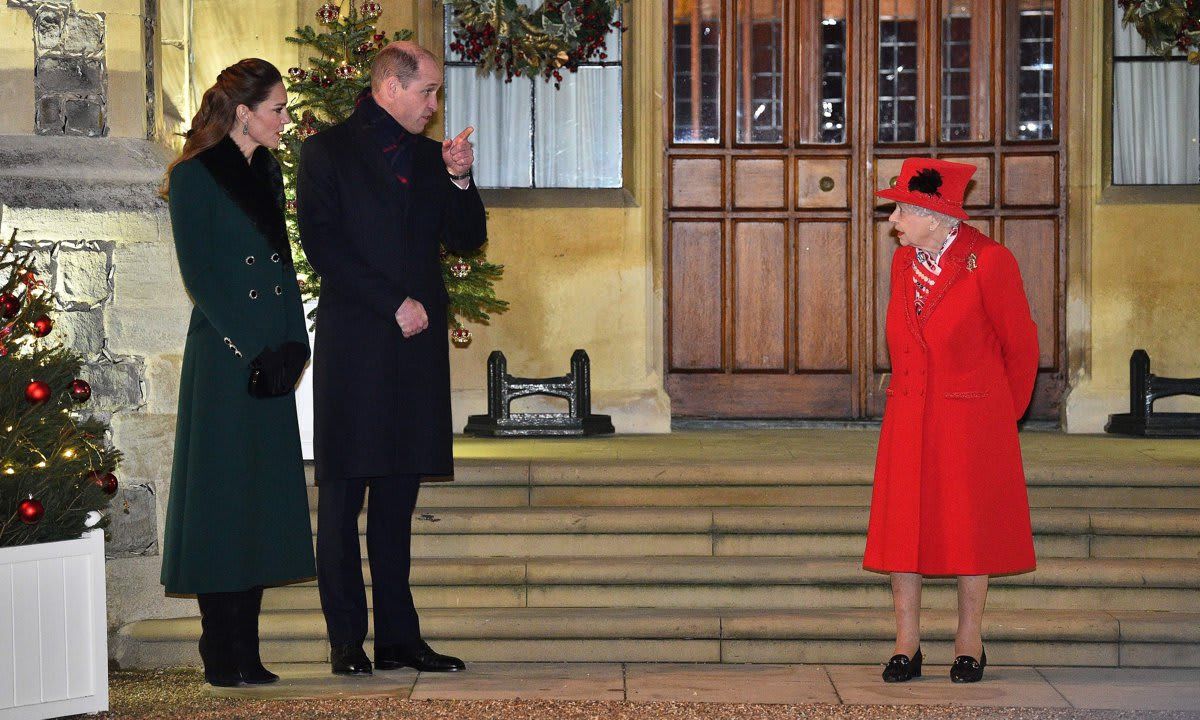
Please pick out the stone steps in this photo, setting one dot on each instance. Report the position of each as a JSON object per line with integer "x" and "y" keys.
{"x": 798, "y": 532}
{"x": 765, "y": 582}
{"x": 624, "y": 555}
{"x": 835, "y": 635}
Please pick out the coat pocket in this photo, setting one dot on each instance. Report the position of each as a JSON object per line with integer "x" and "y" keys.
{"x": 966, "y": 395}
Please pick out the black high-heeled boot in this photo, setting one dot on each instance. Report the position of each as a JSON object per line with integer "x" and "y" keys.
{"x": 902, "y": 668}
{"x": 218, "y": 622}
{"x": 967, "y": 669}
{"x": 249, "y": 662}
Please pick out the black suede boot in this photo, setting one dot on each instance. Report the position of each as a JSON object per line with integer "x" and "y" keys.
{"x": 218, "y": 621}
{"x": 249, "y": 663}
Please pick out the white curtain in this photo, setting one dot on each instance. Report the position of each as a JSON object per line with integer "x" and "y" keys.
{"x": 1156, "y": 116}
{"x": 501, "y": 114}
{"x": 577, "y": 129}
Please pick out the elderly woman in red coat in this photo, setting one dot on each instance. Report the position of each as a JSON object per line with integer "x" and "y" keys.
{"x": 949, "y": 496}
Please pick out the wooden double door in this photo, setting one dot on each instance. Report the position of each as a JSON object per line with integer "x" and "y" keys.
{"x": 784, "y": 118}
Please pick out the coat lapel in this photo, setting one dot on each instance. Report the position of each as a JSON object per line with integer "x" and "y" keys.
{"x": 256, "y": 188}
{"x": 903, "y": 282}
{"x": 954, "y": 265}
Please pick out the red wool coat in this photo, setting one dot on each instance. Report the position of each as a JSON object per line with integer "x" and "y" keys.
{"x": 949, "y": 495}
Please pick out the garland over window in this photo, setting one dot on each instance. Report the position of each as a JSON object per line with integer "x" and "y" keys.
{"x": 1166, "y": 25}
{"x": 504, "y": 36}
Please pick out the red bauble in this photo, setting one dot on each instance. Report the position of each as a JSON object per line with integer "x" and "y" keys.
{"x": 105, "y": 481}
{"x": 327, "y": 13}
{"x": 81, "y": 392}
{"x": 42, "y": 326}
{"x": 9, "y": 305}
{"x": 37, "y": 392}
{"x": 30, "y": 511}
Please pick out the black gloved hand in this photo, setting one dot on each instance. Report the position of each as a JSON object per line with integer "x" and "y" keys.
{"x": 295, "y": 357}
{"x": 276, "y": 370}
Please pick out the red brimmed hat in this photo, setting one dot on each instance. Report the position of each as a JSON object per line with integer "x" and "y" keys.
{"x": 936, "y": 185}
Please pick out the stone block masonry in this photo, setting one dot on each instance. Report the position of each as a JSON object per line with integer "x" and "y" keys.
{"x": 102, "y": 243}
{"x": 71, "y": 74}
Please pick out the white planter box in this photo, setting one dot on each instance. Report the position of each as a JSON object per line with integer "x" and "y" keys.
{"x": 53, "y": 631}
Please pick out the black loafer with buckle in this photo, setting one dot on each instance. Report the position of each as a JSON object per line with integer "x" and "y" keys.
{"x": 967, "y": 669}
{"x": 902, "y": 668}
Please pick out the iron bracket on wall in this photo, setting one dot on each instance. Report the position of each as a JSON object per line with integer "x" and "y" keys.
{"x": 1144, "y": 389}
{"x": 574, "y": 387}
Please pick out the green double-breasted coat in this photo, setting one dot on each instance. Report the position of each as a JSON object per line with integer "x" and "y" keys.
{"x": 238, "y": 512}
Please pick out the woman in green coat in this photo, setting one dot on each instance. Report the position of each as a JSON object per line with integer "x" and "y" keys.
{"x": 238, "y": 515}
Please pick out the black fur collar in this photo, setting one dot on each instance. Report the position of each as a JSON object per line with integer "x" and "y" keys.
{"x": 255, "y": 187}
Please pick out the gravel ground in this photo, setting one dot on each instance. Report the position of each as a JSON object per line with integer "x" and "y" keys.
{"x": 179, "y": 693}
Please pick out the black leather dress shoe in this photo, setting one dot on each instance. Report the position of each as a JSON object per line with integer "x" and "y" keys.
{"x": 902, "y": 668}
{"x": 349, "y": 660}
{"x": 967, "y": 669}
{"x": 422, "y": 657}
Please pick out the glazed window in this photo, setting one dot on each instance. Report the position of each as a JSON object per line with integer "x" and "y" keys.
{"x": 1155, "y": 113}
{"x": 529, "y": 135}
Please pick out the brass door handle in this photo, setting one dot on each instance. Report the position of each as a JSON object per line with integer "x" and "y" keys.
{"x": 825, "y": 183}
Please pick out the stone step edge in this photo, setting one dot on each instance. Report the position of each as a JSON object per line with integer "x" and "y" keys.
{"x": 770, "y": 520}
{"x": 820, "y": 624}
{"x": 1052, "y": 573}
{"x": 740, "y": 473}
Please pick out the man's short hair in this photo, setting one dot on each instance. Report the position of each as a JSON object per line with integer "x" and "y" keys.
{"x": 399, "y": 62}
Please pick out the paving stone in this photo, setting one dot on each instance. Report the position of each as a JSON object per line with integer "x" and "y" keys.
{"x": 525, "y": 681}
{"x": 314, "y": 680}
{"x": 758, "y": 684}
{"x": 1127, "y": 689}
{"x": 1001, "y": 687}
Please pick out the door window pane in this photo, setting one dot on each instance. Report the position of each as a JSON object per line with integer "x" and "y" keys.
{"x": 899, "y": 81}
{"x": 821, "y": 33}
{"x": 760, "y": 71}
{"x": 696, "y": 84}
{"x": 966, "y": 92}
{"x": 1156, "y": 113}
{"x": 1030, "y": 55}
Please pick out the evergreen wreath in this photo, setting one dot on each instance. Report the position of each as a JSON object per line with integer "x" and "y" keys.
{"x": 1166, "y": 25}
{"x": 505, "y": 36}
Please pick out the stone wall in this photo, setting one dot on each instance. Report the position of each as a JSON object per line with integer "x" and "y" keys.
{"x": 102, "y": 242}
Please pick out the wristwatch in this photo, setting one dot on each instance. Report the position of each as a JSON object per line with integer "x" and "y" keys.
{"x": 464, "y": 176}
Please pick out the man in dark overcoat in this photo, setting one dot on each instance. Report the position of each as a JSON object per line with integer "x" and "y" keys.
{"x": 376, "y": 199}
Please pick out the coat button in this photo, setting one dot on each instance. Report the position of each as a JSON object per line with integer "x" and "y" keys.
{"x": 275, "y": 257}
{"x": 228, "y": 342}
{"x": 278, "y": 290}
{"x": 249, "y": 259}
{"x": 253, "y": 294}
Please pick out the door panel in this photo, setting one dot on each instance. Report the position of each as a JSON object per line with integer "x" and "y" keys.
{"x": 697, "y": 183}
{"x": 1033, "y": 242}
{"x": 760, "y": 296}
{"x": 758, "y": 183}
{"x": 823, "y": 296}
{"x": 697, "y": 300}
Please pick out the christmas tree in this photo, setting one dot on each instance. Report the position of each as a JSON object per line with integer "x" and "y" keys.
{"x": 323, "y": 94}
{"x": 56, "y": 470}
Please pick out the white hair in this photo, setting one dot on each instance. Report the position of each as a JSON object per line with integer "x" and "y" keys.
{"x": 942, "y": 218}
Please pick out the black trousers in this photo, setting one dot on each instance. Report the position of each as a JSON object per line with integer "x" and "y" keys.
{"x": 339, "y": 560}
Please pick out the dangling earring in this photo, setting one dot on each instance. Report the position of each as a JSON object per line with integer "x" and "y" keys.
{"x": 245, "y": 128}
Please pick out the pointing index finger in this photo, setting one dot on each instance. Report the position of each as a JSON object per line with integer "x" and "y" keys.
{"x": 464, "y": 134}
